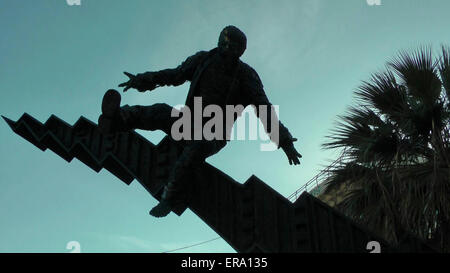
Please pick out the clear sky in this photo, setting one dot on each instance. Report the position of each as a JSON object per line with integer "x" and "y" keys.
{"x": 59, "y": 59}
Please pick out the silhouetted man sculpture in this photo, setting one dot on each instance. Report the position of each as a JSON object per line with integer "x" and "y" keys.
{"x": 217, "y": 76}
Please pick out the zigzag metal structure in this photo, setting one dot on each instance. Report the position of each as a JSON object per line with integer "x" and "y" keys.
{"x": 251, "y": 217}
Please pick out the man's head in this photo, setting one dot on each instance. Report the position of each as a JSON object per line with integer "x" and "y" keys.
{"x": 232, "y": 42}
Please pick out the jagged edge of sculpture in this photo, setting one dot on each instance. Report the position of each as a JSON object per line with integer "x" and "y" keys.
{"x": 23, "y": 127}
{"x": 40, "y": 135}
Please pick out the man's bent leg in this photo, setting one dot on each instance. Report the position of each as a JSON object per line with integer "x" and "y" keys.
{"x": 193, "y": 155}
{"x": 190, "y": 156}
{"x": 154, "y": 117}
{"x": 115, "y": 118}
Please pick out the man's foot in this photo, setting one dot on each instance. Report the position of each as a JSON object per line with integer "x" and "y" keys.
{"x": 111, "y": 103}
{"x": 110, "y": 119}
{"x": 162, "y": 209}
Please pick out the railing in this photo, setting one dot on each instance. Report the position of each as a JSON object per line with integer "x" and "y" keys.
{"x": 316, "y": 185}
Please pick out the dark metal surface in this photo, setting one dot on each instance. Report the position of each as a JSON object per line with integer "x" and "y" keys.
{"x": 251, "y": 217}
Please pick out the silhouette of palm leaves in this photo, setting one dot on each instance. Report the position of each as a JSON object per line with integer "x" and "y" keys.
{"x": 397, "y": 145}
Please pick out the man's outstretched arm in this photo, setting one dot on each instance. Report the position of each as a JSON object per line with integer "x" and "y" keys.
{"x": 174, "y": 76}
{"x": 280, "y": 135}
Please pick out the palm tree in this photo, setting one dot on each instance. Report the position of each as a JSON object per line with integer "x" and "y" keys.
{"x": 397, "y": 149}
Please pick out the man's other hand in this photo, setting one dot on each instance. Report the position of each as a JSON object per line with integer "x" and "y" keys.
{"x": 291, "y": 153}
{"x": 138, "y": 82}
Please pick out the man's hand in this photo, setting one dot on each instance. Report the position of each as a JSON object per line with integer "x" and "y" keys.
{"x": 291, "y": 153}
{"x": 137, "y": 82}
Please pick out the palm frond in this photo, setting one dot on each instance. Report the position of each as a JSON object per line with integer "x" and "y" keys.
{"x": 367, "y": 136}
{"x": 418, "y": 72}
{"x": 444, "y": 70}
{"x": 384, "y": 94}
{"x": 396, "y": 169}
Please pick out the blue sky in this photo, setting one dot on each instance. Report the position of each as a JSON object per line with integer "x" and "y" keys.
{"x": 59, "y": 59}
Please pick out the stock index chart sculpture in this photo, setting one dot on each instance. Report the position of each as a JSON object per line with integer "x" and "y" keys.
{"x": 250, "y": 216}
{"x": 218, "y": 77}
